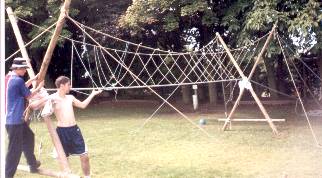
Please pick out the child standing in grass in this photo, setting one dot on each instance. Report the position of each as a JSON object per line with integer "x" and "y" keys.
{"x": 69, "y": 133}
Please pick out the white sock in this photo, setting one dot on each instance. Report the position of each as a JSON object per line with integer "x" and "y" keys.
{"x": 87, "y": 176}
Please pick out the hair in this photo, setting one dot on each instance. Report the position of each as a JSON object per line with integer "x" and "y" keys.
{"x": 61, "y": 80}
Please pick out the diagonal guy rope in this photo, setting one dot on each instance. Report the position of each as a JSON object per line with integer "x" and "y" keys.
{"x": 298, "y": 94}
{"x": 31, "y": 41}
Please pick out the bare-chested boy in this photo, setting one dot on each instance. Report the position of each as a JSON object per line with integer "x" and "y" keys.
{"x": 67, "y": 129}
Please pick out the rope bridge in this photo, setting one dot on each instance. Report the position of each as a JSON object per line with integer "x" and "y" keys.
{"x": 139, "y": 66}
{"x": 157, "y": 68}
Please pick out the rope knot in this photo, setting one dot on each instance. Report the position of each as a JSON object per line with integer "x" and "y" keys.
{"x": 244, "y": 83}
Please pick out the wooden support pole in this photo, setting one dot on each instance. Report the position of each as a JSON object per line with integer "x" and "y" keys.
{"x": 43, "y": 70}
{"x": 259, "y": 57}
{"x": 20, "y": 42}
{"x": 248, "y": 78}
{"x": 241, "y": 73}
{"x": 262, "y": 108}
{"x": 63, "y": 162}
{"x": 53, "y": 41}
{"x": 47, "y": 172}
{"x": 228, "y": 120}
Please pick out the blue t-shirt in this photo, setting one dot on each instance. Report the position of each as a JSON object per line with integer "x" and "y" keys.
{"x": 16, "y": 92}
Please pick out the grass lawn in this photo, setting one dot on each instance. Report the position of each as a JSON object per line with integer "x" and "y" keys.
{"x": 170, "y": 146}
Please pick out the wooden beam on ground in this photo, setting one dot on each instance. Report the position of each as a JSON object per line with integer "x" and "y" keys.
{"x": 47, "y": 172}
{"x": 270, "y": 102}
{"x": 21, "y": 43}
{"x": 252, "y": 120}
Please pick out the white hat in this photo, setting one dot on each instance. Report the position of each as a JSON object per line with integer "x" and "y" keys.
{"x": 19, "y": 62}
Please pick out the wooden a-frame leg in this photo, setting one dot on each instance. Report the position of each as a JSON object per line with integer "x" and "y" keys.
{"x": 262, "y": 108}
{"x": 241, "y": 73}
{"x": 229, "y": 118}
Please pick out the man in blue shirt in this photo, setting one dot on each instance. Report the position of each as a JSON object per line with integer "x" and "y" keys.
{"x": 21, "y": 138}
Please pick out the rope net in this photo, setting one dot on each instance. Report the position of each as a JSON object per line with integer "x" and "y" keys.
{"x": 108, "y": 68}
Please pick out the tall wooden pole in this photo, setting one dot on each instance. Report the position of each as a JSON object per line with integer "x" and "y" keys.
{"x": 20, "y": 42}
{"x": 259, "y": 57}
{"x": 61, "y": 156}
{"x": 43, "y": 70}
{"x": 54, "y": 39}
{"x": 23, "y": 50}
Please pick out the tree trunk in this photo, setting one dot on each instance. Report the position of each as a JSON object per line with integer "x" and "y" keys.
{"x": 186, "y": 94}
{"x": 271, "y": 77}
{"x": 320, "y": 70}
{"x": 320, "y": 65}
{"x": 257, "y": 88}
{"x": 280, "y": 75}
{"x": 212, "y": 89}
{"x": 201, "y": 93}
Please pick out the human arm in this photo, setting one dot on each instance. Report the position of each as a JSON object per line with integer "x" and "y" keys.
{"x": 35, "y": 90}
{"x": 29, "y": 82}
{"x": 39, "y": 99}
{"x": 84, "y": 104}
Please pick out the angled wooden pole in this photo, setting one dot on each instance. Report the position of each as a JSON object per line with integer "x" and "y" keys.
{"x": 61, "y": 156}
{"x": 23, "y": 50}
{"x": 259, "y": 57}
{"x": 52, "y": 44}
{"x": 269, "y": 120}
{"x": 43, "y": 70}
{"x": 20, "y": 42}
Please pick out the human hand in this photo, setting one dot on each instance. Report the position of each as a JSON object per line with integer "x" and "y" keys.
{"x": 96, "y": 92}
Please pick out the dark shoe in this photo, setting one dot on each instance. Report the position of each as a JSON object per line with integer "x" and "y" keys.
{"x": 34, "y": 168}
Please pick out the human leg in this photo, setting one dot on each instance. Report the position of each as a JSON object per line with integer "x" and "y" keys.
{"x": 79, "y": 148}
{"x": 14, "y": 149}
{"x": 29, "y": 147}
{"x": 84, "y": 158}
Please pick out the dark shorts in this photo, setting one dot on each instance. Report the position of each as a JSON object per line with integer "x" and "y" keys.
{"x": 72, "y": 140}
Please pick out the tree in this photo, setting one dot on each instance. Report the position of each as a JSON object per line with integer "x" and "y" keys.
{"x": 167, "y": 24}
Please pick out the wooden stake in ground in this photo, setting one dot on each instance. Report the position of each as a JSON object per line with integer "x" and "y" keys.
{"x": 247, "y": 79}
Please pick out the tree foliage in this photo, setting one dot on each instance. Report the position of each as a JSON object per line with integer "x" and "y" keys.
{"x": 42, "y": 13}
{"x": 174, "y": 24}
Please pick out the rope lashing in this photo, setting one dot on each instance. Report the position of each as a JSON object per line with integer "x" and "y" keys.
{"x": 244, "y": 83}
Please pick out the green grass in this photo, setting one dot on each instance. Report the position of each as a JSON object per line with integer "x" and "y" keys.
{"x": 170, "y": 147}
